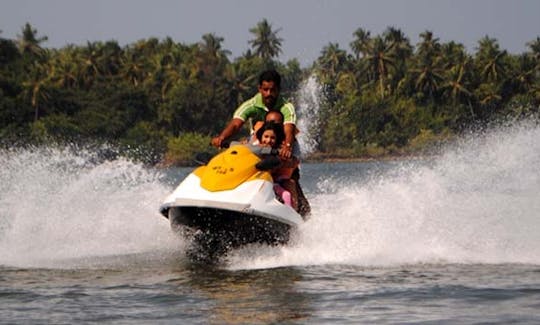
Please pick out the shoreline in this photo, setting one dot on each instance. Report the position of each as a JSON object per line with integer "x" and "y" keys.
{"x": 330, "y": 158}
{"x": 320, "y": 159}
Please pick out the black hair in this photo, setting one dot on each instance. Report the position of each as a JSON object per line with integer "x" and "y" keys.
{"x": 277, "y": 128}
{"x": 270, "y": 75}
{"x": 274, "y": 112}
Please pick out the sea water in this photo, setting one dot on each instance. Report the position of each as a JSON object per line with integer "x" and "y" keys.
{"x": 453, "y": 238}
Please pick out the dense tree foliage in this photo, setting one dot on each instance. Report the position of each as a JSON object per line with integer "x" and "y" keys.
{"x": 390, "y": 97}
{"x": 166, "y": 99}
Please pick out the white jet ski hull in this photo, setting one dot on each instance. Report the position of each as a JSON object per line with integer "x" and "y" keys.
{"x": 249, "y": 213}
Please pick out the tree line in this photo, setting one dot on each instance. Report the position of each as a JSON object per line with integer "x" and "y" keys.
{"x": 161, "y": 101}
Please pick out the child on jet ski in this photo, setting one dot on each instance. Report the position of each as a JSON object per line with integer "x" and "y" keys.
{"x": 271, "y": 134}
{"x": 293, "y": 173}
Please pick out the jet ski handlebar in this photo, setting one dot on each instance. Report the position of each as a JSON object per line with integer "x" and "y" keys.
{"x": 263, "y": 150}
{"x": 268, "y": 155}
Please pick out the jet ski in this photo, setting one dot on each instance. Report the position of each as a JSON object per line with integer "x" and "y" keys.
{"x": 230, "y": 201}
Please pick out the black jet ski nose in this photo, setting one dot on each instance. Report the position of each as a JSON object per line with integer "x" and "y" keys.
{"x": 268, "y": 163}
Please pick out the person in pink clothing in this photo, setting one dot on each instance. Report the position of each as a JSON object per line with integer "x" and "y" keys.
{"x": 272, "y": 135}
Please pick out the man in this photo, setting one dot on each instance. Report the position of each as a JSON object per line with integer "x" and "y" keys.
{"x": 261, "y": 106}
{"x": 267, "y": 99}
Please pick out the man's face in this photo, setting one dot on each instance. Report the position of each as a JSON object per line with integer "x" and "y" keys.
{"x": 269, "y": 92}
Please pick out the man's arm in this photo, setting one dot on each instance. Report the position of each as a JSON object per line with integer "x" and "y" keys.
{"x": 286, "y": 147}
{"x": 231, "y": 129}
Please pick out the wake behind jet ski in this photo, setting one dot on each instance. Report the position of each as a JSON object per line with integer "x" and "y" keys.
{"x": 230, "y": 202}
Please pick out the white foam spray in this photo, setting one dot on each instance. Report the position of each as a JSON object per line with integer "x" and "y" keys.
{"x": 308, "y": 104}
{"x": 478, "y": 202}
{"x": 61, "y": 204}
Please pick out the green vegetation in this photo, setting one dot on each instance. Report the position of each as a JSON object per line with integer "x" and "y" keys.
{"x": 166, "y": 99}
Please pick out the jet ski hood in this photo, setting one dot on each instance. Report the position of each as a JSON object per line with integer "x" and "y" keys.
{"x": 232, "y": 182}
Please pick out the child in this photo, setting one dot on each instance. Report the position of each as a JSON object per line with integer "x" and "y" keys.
{"x": 272, "y": 135}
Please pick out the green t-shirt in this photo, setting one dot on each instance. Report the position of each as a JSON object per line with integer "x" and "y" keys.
{"x": 255, "y": 110}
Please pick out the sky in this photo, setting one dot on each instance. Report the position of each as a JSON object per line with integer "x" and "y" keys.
{"x": 306, "y": 26}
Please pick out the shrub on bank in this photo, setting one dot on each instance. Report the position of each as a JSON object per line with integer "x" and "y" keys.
{"x": 181, "y": 150}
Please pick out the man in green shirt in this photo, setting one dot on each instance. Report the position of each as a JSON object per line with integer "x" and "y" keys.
{"x": 267, "y": 99}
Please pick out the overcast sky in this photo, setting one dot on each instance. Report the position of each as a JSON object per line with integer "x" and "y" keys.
{"x": 306, "y": 25}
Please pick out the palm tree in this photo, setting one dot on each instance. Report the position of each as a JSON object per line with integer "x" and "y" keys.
{"x": 427, "y": 68}
{"x": 490, "y": 60}
{"x": 212, "y": 56}
{"x": 455, "y": 86}
{"x": 134, "y": 67}
{"x": 29, "y": 42}
{"x": 379, "y": 60}
{"x": 332, "y": 61}
{"x": 64, "y": 68}
{"x": 429, "y": 46}
{"x": 403, "y": 47}
{"x": 160, "y": 77}
{"x": 428, "y": 78}
{"x": 211, "y": 47}
{"x": 401, "y": 52}
{"x": 488, "y": 94}
{"x": 111, "y": 54}
{"x": 36, "y": 88}
{"x": 453, "y": 53}
{"x": 174, "y": 63}
{"x": 239, "y": 84}
{"x": 360, "y": 44}
{"x": 93, "y": 62}
{"x": 266, "y": 43}
{"x": 524, "y": 74}
{"x": 535, "y": 47}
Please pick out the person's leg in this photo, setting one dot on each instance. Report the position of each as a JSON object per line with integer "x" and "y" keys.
{"x": 290, "y": 186}
{"x": 303, "y": 204}
{"x": 284, "y": 194}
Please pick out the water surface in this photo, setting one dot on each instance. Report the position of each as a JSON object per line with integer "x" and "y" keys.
{"x": 452, "y": 239}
